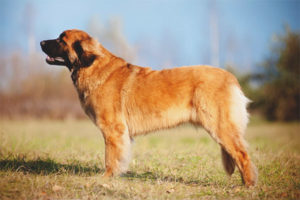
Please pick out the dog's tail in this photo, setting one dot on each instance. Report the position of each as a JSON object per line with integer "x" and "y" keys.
{"x": 228, "y": 162}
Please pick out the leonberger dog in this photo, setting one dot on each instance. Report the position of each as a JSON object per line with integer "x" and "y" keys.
{"x": 126, "y": 100}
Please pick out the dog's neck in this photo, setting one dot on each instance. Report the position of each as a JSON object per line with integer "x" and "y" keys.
{"x": 103, "y": 57}
{"x": 97, "y": 73}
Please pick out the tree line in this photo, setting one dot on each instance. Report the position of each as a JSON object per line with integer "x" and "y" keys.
{"x": 275, "y": 91}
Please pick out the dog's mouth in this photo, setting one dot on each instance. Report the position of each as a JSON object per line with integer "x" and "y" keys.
{"x": 55, "y": 60}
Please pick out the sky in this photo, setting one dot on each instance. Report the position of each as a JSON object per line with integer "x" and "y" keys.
{"x": 163, "y": 33}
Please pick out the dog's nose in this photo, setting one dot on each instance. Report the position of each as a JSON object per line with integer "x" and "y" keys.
{"x": 42, "y": 43}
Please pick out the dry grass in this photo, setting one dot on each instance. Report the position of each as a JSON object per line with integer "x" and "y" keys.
{"x": 64, "y": 160}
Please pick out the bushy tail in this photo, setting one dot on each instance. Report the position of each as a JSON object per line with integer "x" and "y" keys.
{"x": 238, "y": 109}
{"x": 228, "y": 162}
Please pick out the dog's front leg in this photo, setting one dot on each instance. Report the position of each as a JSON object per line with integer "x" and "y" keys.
{"x": 117, "y": 148}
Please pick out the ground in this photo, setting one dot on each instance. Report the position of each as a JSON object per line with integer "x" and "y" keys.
{"x": 43, "y": 159}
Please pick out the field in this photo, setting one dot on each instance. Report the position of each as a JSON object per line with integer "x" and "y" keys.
{"x": 43, "y": 159}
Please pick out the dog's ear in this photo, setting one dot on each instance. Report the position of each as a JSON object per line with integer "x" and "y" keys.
{"x": 85, "y": 58}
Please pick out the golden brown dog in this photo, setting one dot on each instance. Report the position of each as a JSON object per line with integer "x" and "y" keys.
{"x": 125, "y": 100}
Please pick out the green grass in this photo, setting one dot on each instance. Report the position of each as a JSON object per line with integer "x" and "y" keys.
{"x": 65, "y": 160}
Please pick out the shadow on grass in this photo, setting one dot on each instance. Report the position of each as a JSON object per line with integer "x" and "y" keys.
{"x": 47, "y": 166}
{"x": 157, "y": 177}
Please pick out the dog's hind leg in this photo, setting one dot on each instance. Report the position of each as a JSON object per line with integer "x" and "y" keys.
{"x": 117, "y": 148}
{"x": 233, "y": 146}
{"x": 226, "y": 121}
{"x": 234, "y": 151}
{"x": 232, "y": 122}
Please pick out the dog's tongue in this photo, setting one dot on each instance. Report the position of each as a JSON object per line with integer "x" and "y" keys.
{"x": 49, "y": 58}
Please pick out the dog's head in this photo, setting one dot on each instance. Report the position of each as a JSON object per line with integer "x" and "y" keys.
{"x": 73, "y": 48}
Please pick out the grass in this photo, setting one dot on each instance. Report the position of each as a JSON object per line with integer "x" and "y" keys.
{"x": 41, "y": 159}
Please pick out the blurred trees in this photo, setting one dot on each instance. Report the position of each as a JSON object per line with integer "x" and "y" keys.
{"x": 281, "y": 87}
{"x": 112, "y": 37}
{"x": 31, "y": 88}
{"x": 276, "y": 93}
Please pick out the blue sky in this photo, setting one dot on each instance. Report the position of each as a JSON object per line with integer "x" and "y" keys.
{"x": 178, "y": 30}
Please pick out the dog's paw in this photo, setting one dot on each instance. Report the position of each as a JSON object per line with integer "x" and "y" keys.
{"x": 107, "y": 174}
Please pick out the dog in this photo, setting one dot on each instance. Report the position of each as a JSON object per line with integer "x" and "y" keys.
{"x": 125, "y": 100}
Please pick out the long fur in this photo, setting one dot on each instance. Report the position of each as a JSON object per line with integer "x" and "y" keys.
{"x": 239, "y": 117}
{"x": 239, "y": 114}
{"x": 126, "y": 100}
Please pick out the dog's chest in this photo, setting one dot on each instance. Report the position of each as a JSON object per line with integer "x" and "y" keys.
{"x": 86, "y": 104}
{"x": 84, "y": 93}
